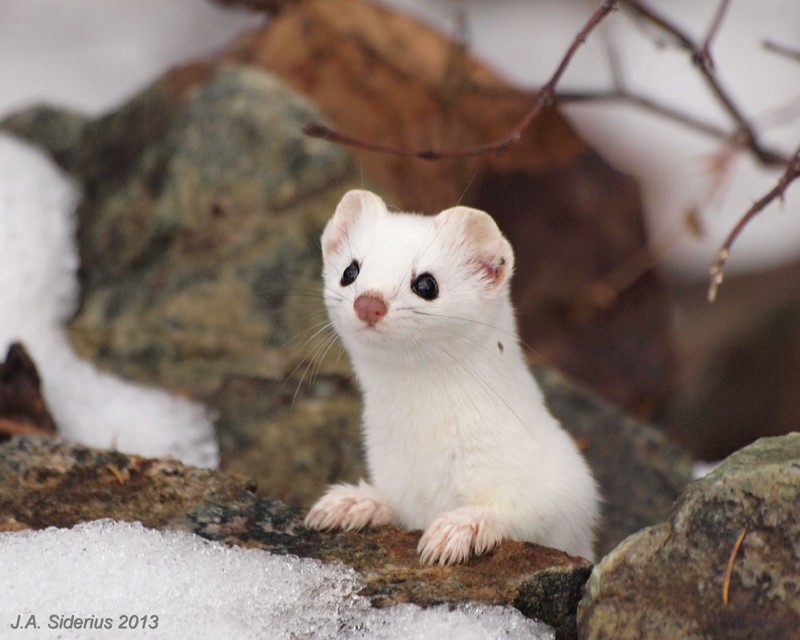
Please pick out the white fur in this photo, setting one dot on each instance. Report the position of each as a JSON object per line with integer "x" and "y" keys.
{"x": 458, "y": 439}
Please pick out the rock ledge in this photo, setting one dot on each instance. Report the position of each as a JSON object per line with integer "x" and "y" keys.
{"x": 46, "y": 482}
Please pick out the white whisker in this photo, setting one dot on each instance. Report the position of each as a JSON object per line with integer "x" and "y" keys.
{"x": 509, "y": 334}
{"x": 483, "y": 384}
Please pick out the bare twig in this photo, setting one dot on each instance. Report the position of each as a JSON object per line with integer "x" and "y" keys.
{"x": 622, "y": 93}
{"x": 712, "y": 31}
{"x": 745, "y": 131}
{"x": 769, "y": 156}
{"x": 607, "y": 290}
{"x": 777, "y": 192}
{"x": 646, "y": 104}
{"x": 613, "y": 58}
{"x": 544, "y": 99}
{"x": 774, "y": 47}
{"x": 744, "y": 135}
{"x": 726, "y": 583}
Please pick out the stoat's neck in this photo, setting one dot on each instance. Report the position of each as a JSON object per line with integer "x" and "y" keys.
{"x": 454, "y": 369}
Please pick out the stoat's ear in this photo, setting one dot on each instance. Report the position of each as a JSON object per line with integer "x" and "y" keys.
{"x": 351, "y": 207}
{"x": 476, "y": 234}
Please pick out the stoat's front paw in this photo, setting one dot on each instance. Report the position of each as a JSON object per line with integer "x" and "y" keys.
{"x": 349, "y": 507}
{"x": 455, "y": 535}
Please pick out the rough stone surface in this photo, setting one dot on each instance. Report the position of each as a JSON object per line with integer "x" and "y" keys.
{"x": 58, "y": 130}
{"x": 45, "y": 482}
{"x": 667, "y": 581}
{"x": 199, "y": 245}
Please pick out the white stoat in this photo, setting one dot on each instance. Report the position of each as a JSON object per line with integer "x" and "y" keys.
{"x": 458, "y": 439}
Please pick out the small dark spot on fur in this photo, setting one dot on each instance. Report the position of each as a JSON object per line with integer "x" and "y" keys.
{"x": 500, "y": 346}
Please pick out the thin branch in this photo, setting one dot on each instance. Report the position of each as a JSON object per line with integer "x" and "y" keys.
{"x": 777, "y": 192}
{"x": 774, "y": 47}
{"x": 613, "y": 58}
{"x": 648, "y": 104}
{"x": 621, "y": 93}
{"x": 545, "y": 98}
{"x": 745, "y": 130}
{"x": 769, "y": 156}
{"x": 712, "y": 32}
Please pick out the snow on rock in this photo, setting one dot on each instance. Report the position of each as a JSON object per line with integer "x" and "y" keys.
{"x": 38, "y": 294}
{"x": 177, "y": 585}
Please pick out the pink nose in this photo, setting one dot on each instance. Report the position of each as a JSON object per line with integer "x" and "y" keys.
{"x": 370, "y": 308}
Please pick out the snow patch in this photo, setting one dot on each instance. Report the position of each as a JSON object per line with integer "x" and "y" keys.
{"x": 180, "y": 586}
{"x": 38, "y": 294}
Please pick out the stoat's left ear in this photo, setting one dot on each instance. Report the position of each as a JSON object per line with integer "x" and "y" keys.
{"x": 353, "y": 205}
{"x": 477, "y": 235}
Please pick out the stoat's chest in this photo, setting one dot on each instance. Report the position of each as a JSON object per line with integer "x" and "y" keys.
{"x": 439, "y": 451}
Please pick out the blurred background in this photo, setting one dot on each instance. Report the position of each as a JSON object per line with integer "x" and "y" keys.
{"x": 729, "y": 372}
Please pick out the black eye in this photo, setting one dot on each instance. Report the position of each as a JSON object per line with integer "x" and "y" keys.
{"x": 350, "y": 274}
{"x": 425, "y": 287}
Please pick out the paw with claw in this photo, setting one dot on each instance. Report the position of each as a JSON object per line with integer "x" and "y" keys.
{"x": 456, "y": 535}
{"x": 349, "y": 507}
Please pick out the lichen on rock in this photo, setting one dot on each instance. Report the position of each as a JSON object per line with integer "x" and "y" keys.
{"x": 672, "y": 579}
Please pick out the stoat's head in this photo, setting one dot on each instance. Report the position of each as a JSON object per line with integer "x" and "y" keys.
{"x": 400, "y": 283}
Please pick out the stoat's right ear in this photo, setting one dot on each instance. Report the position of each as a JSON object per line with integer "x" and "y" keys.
{"x": 476, "y": 236}
{"x": 351, "y": 207}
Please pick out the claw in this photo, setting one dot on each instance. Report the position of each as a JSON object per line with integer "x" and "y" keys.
{"x": 349, "y": 507}
{"x": 456, "y": 535}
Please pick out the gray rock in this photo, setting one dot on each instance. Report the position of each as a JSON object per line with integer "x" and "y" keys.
{"x": 59, "y": 131}
{"x": 669, "y": 580}
{"x": 199, "y": 245}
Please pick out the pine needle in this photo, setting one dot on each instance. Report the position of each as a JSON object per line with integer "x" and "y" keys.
{"x": 726, "y": 585}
